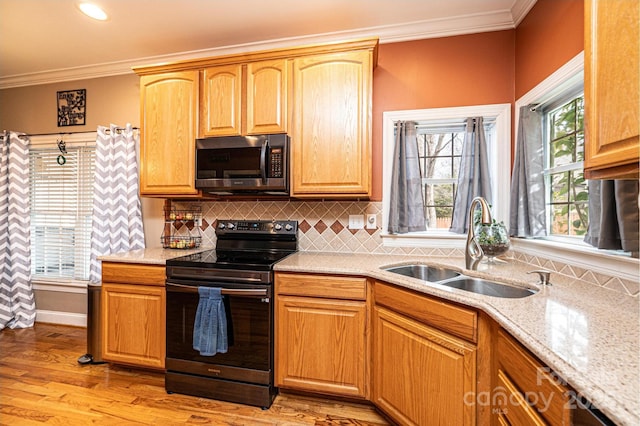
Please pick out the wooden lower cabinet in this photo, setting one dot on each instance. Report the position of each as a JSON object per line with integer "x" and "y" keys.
{"x": 431, "y": 362}
{"x": 321, "y": 334}
{"x": 422, "y": 375}
{"x": 526, "y": 392}
{"x": 133, "y": 315}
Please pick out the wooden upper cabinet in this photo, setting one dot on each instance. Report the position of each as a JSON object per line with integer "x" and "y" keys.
{"x": 221, "y": 107}
{"x": 267, "y": 97}
{"x": 612, "y": 104}
{"x": 244, "y": 99}
{"x": 318, "y": 94}
{"x": 331, "y": 128}
{"x": 169, "y": 104}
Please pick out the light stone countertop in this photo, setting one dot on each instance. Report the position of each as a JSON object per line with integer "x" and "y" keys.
{"x": 589, "y": 336}
{"x": 150, "y": 256}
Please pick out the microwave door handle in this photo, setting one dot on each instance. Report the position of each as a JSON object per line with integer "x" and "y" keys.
{"x": 263, "y": 161}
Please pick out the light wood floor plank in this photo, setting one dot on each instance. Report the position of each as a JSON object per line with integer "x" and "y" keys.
{"x": 41, "y": 383}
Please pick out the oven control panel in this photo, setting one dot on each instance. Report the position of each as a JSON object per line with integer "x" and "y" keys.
{"x": 283, "y": 227}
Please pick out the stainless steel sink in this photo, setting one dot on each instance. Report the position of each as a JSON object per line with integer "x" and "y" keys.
{"x": 424, "y": 272}
{"x": 488, "y": 288}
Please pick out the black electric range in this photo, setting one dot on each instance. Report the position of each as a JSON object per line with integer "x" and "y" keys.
{"x": 241, "y": 270}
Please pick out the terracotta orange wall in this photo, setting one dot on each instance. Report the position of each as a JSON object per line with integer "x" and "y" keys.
{"x": 463, "y": 70}
{"x": 550, "y": 35}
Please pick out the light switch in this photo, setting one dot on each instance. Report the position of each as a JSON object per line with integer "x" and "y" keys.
{"x": 356, "y": 221}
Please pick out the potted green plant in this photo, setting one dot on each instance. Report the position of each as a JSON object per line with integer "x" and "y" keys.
{"x": 493, "y": 238}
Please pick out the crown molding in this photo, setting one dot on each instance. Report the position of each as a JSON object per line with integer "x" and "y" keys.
{"x": 520, "y": 9}
{"x": 458, "y": 25}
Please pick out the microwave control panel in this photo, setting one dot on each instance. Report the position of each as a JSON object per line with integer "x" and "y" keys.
{"x": 275, "y": 165}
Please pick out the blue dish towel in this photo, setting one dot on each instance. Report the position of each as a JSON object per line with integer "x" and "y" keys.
{"x": 210, "y": 326}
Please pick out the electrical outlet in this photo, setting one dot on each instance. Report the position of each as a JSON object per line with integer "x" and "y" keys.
{"x": 372, "y": 221}
{"x": 356, "y": 221}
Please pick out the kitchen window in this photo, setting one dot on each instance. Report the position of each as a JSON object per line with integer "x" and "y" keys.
{"x": 567, "y": 196}
{"x": 61, "y": 197}
{"x": 440, "y": 135}
{"x": 439, "y": 152}
{"x": 566, "y": 80}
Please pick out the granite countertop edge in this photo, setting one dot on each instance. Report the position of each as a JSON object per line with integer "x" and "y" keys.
{"x": 149, "y": 256}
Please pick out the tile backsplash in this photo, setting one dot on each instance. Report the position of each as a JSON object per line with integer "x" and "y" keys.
{"x": 323, "y": 226}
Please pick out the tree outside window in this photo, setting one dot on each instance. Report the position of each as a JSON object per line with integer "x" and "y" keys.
{"x": 567, "y": 189}
{"x": 439, "y": 155}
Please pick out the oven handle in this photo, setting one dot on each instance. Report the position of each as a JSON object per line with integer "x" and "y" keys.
{"x": 227, "y": 291}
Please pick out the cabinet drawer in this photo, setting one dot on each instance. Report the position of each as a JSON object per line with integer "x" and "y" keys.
{"x": 329, "y": 286}
{"x": 453, "y": 319}
{"x": 532, "y": 378}
{"x": 512, "y": 405}
{"x": 133, "y": 273}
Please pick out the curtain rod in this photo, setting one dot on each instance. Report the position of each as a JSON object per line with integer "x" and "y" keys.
{"x": 118, "y": 130}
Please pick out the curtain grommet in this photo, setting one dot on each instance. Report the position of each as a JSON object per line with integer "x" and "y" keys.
{"x": 61, "y": 160}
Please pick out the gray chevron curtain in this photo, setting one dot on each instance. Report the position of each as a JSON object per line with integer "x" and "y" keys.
{"x": 117, "y": 215}
{"x": 17, "y": 306}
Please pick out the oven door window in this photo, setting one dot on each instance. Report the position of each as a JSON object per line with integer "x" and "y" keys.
{"x": 248, "y": 330}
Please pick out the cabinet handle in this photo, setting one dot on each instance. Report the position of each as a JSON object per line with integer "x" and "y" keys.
{"x": 263, "y": 161}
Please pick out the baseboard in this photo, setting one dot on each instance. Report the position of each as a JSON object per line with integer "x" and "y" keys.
{"x": 59, "y": 317}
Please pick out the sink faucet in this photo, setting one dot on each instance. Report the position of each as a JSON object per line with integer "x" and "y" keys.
{"x": 473, "y": 252}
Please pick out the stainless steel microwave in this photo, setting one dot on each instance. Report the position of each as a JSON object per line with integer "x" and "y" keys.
{"x": 243, "y": 164}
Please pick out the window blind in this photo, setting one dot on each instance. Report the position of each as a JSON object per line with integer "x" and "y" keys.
{"x": 61, "y": 199}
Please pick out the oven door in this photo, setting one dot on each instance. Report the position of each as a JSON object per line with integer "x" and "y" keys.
{"x": 249, "y": 313}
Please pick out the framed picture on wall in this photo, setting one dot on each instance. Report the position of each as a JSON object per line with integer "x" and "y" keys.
{"x": 72, "y": 107}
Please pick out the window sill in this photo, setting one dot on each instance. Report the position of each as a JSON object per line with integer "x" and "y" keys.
{"x": 430, "y": 239}
{"x": 581, "y": 255}
{"x": 62, "y": 286}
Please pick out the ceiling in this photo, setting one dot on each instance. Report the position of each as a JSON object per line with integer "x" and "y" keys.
{"x": 44, "y": 41}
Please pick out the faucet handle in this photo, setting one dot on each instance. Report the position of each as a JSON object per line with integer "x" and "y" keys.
{"x": 544, "y": 276}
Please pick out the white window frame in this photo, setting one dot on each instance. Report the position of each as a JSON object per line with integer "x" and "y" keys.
{"x": 548, "y": 170}
{"x": 500, "y": 180}
{"x": 75, "y": 139}
{"x": 576, "y": 253}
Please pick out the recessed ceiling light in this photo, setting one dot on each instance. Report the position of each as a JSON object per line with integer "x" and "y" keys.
{"x": 93, "y": 11}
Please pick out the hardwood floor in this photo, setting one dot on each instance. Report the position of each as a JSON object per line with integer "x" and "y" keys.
{"x": 42, "y": 383}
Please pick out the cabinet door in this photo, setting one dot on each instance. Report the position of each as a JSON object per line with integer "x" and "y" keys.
{"x": 525, "y": 379}
{"x": 134, "y": 324}
{"x": 612, "y": 103}
{"x": 421, "y": 375}
{"x": 331, "y": 128}
{"x": 169, "y": 103}
{"x": 221, "y": 107}
{"x": 321, "y": 345}
{"x": 267, "y": 97}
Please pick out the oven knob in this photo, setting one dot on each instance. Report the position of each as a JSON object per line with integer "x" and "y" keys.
{"x": 221, "y": 226}
{"x": 288, "y": 227}
{"x": 230, "y": 225}
{"x": 277, "y": 227}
